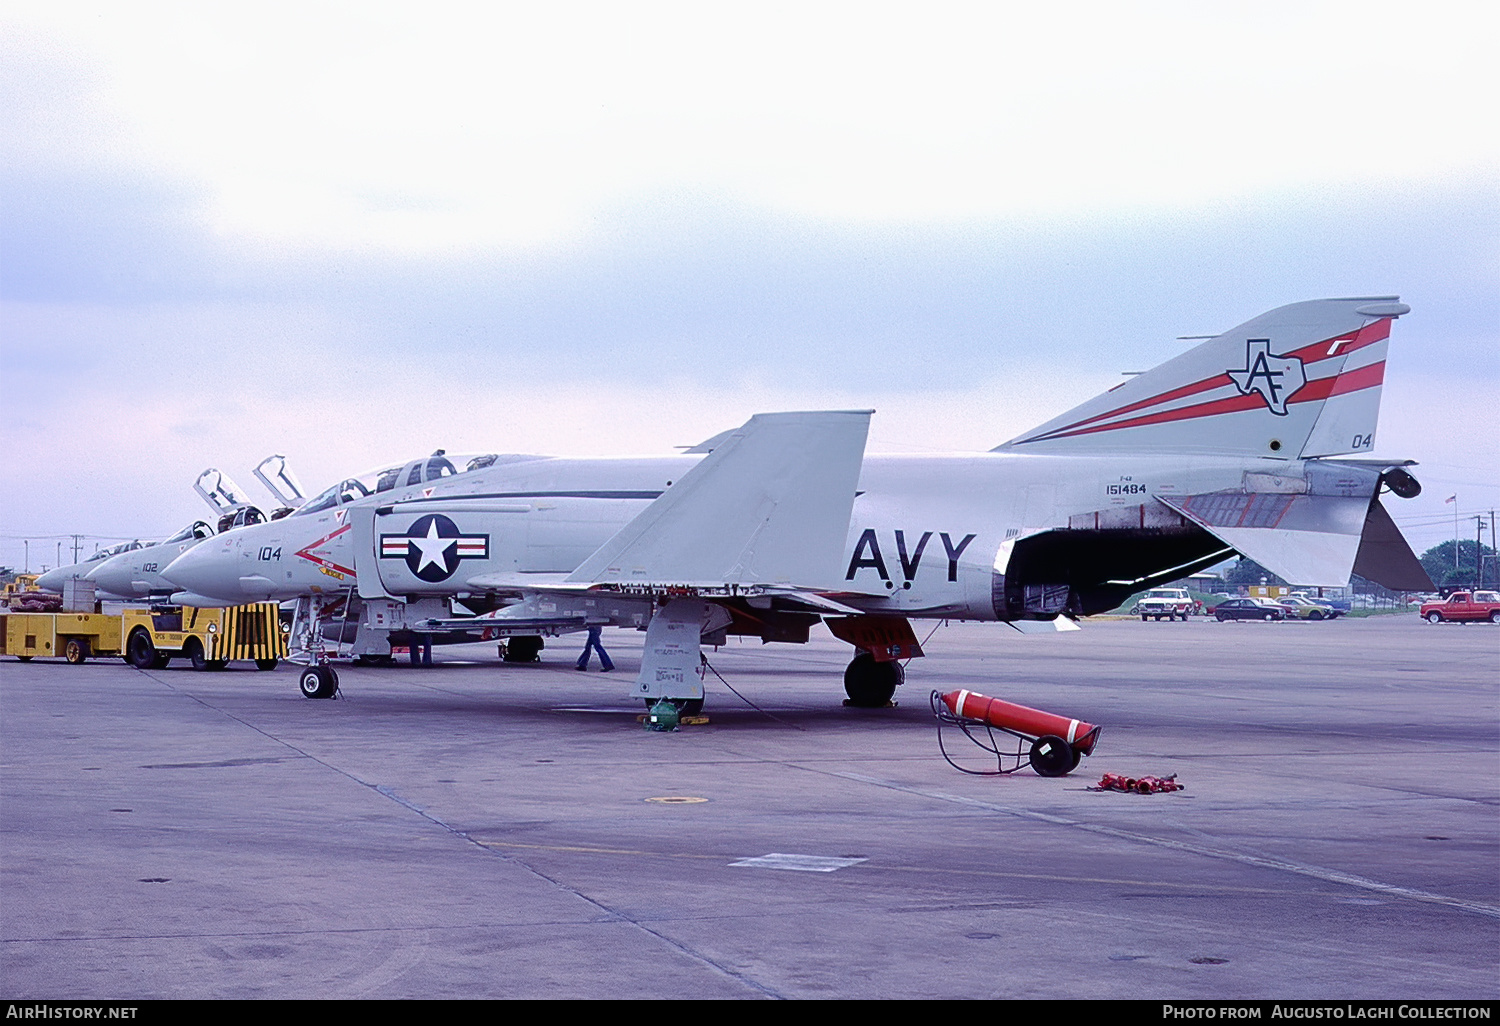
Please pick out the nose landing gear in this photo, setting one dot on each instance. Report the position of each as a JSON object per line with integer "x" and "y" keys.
{"x": 318, "y": 682}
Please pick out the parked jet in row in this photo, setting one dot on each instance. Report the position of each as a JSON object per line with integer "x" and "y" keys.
{"x": 1239, "y": 445}
{"x": 132, "y": 570}
{"x": 53, "y": 580}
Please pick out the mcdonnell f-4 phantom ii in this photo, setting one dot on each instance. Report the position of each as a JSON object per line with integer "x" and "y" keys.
{"x": 1255, "y": 442}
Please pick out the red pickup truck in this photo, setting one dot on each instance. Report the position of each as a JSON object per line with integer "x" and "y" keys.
{"x": 1464, "y": 605}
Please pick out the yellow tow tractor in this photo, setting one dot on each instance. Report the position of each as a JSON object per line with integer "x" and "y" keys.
{"x": 21, "y": 584}
{"x": 74, "y": 636}
{"x": 208, "y": 638}
{"x": 151, "y": 638}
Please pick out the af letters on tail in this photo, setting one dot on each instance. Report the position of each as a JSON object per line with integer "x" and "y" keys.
{"x": 1252, "y": 442}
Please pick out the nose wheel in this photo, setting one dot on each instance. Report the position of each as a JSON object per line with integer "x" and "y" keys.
{"x": 318, "y": 682}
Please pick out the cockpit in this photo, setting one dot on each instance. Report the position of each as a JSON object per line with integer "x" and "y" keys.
{"x": 115, "y": 550}
{"x": 433, "y": 468}
{"x": 344, "y": 492}
{"x": 437, "y": 467}
{"x": 196, "y": 531}
{"x": 242, "y": 517}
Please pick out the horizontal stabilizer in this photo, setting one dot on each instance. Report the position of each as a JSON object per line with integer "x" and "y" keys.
{"x": 770, "y": 505}
{"x": 1385, "y": 557}
{"x": 1308, "y": 540}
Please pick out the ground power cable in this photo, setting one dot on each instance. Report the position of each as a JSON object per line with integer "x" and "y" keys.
{"x": 769, "y": 715}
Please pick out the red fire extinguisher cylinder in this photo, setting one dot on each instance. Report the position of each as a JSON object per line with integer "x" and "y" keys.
{"x": 971, "y": 705}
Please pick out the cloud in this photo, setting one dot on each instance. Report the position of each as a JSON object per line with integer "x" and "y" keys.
{"x": 598, "y": 231}
{"x": 479, "y": 126}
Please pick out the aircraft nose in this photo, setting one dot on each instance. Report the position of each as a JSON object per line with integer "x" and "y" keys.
{"x": 115, "y": 580}
{"x": 208, "y": 568}
{"x": 53, "y": 580}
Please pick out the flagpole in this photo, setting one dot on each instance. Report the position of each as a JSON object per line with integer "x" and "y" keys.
{"x": 1454, "y": 499}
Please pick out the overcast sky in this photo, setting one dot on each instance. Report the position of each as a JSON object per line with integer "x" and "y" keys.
{"x": 353, "y": 233}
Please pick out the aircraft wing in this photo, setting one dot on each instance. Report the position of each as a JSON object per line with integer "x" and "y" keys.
{"x": 769, "y": 506}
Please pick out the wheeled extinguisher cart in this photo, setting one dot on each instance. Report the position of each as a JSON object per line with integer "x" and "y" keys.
{"x": 1051, "y": 745}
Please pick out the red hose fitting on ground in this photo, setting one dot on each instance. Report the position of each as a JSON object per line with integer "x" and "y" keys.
{"x": 1139, "y": 785}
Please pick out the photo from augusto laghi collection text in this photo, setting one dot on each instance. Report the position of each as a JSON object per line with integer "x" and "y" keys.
{"x": 1325, "y": 1010}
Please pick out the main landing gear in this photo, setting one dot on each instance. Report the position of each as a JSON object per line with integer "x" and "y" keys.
{"x": 870, "y": 684}
{"x": 523, "y": 648}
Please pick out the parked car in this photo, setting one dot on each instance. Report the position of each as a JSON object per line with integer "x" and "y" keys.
{"x": 1462, "y": 606}
{"x": 1343, "y": 605}
{"x": 1304, "y": 608}
{"x": 1164, "y": 603}
{"x": 1251, "y": 609}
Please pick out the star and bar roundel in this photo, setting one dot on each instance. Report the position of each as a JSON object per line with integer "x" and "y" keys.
{"x": 433, "y": 547}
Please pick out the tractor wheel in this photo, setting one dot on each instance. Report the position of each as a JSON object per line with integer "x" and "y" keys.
{"x": 140, "y": 650}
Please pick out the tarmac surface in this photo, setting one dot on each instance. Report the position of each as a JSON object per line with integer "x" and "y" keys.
{"x": 477, "y": 830}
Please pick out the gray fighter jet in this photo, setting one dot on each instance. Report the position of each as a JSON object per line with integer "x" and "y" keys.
{"x": 1242, "y": 444}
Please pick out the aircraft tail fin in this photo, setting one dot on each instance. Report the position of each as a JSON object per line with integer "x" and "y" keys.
{"x": 1300, "y": 381}
{"x": 770, "y": 505}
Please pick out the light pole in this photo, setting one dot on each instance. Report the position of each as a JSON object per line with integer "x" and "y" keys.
{"x": 1478, "y": 552}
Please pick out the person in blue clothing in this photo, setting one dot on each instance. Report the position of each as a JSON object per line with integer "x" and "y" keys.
{"x": 421, "y": 650}
{"x": 593, "y": 645}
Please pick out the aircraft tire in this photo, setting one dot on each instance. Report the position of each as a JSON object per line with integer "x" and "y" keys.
{"x": 1051, "y": 756}
{"x": 869, "y": 684}
{"x": 140, "y": 652}
{"x": 318, "y": 682}
{"x": 76, "y": 651}
{"x": 525, "y": 648}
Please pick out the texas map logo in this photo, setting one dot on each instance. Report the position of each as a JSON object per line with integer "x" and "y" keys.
{"x": 1275, "y": 378}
